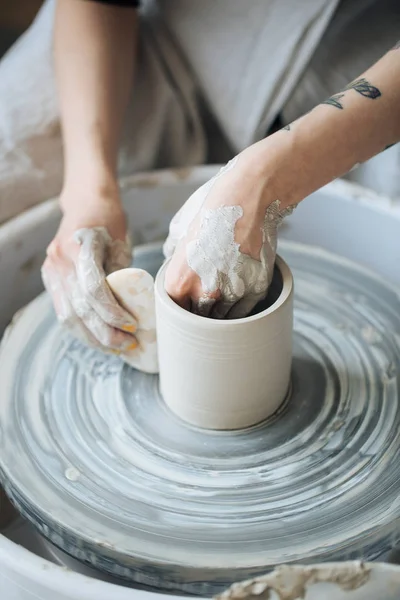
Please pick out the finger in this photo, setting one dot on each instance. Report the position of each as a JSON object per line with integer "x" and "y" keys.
{"x": 183, "y": 301}
{"x": 79, "y": 331}
{"x": 75, "y": 325}
{"x": 109, "y": 337}
{"x": 202, "y": 306}
{"x": 92, "y": 283}
{"x": 69, "y": 306}
{"x": 182, "y": 285}
{"x": 63, "y": 309}
{"x": 244, "y": 306}
{"x": 221, "y": 309}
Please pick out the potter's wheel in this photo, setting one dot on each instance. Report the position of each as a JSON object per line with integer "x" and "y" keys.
{"x": 94, "y": 459}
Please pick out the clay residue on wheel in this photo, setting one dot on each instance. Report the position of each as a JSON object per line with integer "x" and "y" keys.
{"x": 291, "y": 583}
{"x": 221, "y": 507}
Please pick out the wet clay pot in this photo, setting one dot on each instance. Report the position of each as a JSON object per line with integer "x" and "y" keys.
{"x": 226, "y": 374}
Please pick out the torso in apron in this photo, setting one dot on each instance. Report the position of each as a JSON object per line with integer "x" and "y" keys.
{"x": 246, "y": 56}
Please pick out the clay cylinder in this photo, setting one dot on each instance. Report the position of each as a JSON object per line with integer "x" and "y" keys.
{"x": 226, "y": 374}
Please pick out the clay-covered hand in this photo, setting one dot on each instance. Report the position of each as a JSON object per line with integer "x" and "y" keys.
{"x": 223, "y": 243}
{"x": 91, "y": 242}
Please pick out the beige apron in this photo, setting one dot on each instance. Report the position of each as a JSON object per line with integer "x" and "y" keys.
{"x": 247, "y": 55}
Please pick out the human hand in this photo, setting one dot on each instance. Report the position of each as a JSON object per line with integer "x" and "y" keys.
{"x": 223, "y": 243}
{"x": 90, "y": 243}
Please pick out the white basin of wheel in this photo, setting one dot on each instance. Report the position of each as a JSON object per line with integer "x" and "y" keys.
{"x": 341, "y": 218}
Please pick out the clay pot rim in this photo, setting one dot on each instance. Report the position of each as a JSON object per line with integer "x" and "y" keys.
{"x": 190, "y": 318}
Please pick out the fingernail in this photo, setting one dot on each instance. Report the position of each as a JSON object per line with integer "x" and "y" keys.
{"x": 129, "y": 328}
{"x": 113, "y": 351}
{"x": 131, "y": 347}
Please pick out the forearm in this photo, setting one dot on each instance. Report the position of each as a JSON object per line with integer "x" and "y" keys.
{"x": 94, "y": 49}
{"x": 349, "y": 128}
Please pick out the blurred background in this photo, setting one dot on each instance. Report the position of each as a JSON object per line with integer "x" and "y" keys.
{"x": 15, "y": 17}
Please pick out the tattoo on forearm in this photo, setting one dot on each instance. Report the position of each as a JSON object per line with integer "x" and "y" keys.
{"x": 334, "y": 101}
{"x": 363, "y": 87}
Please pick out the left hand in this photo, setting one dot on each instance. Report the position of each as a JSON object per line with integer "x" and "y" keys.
{"x": 223, "y": 243}
{"x": 90, "y": 243}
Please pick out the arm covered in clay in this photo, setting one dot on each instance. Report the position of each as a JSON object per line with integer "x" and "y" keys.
{"x": 223, "y": 241}
{"x": 94, "y": 46}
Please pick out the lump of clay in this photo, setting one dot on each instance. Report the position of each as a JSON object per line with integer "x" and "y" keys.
{"x": 134, "y": 290}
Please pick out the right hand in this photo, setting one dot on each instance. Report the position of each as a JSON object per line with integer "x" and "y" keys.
{"x": 90, "y": 243}
{"x": 222, "y": 242}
